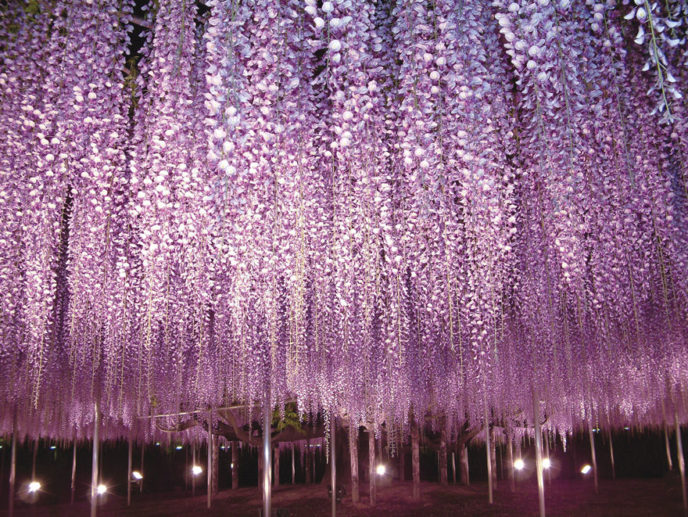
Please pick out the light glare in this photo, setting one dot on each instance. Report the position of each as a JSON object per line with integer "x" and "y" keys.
{"x": 586, "y": 469}
{"x": 34, "y": 486}
{"x": 380, "y": 470}
{"x": 519, "y": 464}
{"x": 137, "y": 475}
{"x": 101, "y": 489}
{"x": 196, "y": 470}
{"x": 546, "y": 463}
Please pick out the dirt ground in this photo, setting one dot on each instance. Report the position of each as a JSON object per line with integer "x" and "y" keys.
{"x": 624, "y": 497}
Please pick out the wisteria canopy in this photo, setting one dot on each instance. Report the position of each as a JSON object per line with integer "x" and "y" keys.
{"x": 373, "y": 208}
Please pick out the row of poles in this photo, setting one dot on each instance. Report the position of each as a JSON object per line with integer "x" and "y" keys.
{"x": 267, "y": 471}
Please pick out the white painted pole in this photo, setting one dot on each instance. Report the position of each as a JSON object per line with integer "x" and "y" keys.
{"x": 681, "y": 463}
{"x": 129, "y": 469}
{"x": 209, "y": 475}
{"x": 94, "y": 464}
{"x": 73, "y": 485}
{"x": 293, "y": 464}
{"x": 611, "y": 454}
{"x": 13, "y": 464}
{"x": 267, "y": 460}
{"x": 490, "y": 495}
{"x": 333, "y": 464}
{"x": 538, "y": 455}
{"x": 593, "y": 456}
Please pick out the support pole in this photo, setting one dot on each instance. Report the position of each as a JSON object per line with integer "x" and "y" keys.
{"x": 209, "y": 475}
{"x": 216, "y": 467}
{"x": 493, "y": 458}
{"x": 453, "y": 467}
{"x": 129, "y": 469}
{"x": 611, "y": 454}
{"x": 488, "y": 448}
{"x": 443, "y": 457}
{"x": 33, "y": 459}
{"x": 538, "y": 455}
{"x": 681, "y": 463}
{"x": 371, "y": 466}
{"x": 402, "y": 463}
{"x": 593, "y": 456}
{"x": 415, "y": 460}
{"x": 193, "y": 476}
{"x": 276, "y": 460}
{"x": 464, "y": 472}
{"x": 13, "y": 464}
{"x": 267, "y": 482}
{"x": 667, "y": 446}
{"x": 293, "y": 464}
{"x": 353, "y": 453}
{"x": 510, "y": 459}
{"x": 73, "y": 485}
{"x": 235, "y": 465}
{"x": 333, "y": 464}
{"x": 143, "y": 448}
{"x": 549, "y": 473}
{"x": 94, "y": 463}
{"x": 307, "y": 460}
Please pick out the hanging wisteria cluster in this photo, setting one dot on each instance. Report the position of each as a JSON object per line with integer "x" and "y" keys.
{"x": 374, "y": 208}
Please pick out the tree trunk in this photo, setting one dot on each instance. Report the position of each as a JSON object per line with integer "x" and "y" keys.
{"x": 353, "y": 453}
{"x": 371, "y": 466}
{"x": 464, "y": 473}
{"x": 415, "y": 460}
{"x": 443, "y": 458}
{"x": 235, "y": 465}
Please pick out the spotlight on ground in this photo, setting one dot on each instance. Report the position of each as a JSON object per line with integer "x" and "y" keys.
{"x": 101, "y": 489}
{"x": 137, "y": 475}
{"x": 519, "y": 464}
{"x": 34, "y": 487}
{"x": 586, "y": 469}
{"x": 546, "y": 463}
{"x": 196, "y": 470}
{"x": 380, "y": 470}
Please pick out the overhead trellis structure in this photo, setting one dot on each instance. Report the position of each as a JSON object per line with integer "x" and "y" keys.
{"x": 376, "y": 209}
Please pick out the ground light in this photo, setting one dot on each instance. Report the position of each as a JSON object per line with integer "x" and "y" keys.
{"x": 196, "y": 470}
{"x": 586, "y": 469}
{"x": 137, "y": 475}
{"x": 380, "y": 469}
{"x": 34, "y": 487}
{"x": 546, "y": 463}
{"x": 519, "y": 464}
{"x": 101, "y": 489}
